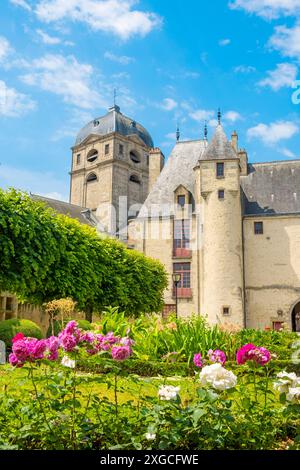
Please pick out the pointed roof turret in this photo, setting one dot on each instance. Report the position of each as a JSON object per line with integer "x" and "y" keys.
{"x": 219, "y": 147}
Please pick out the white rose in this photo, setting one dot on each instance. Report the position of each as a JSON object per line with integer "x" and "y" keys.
{"x": 67, "y": 362}
{"x": 150, "y": 437}
{"x": 293, "y": 395}
{"x": 218, "y": 377}
{"x": 168, "y": 392}
{"x": 286, "y": 380}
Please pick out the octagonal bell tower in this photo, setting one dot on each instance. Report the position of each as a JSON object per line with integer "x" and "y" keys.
{"x": 110, "y": 169}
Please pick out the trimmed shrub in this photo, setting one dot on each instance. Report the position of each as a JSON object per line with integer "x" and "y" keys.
{"x": 83, "y": 324}
{"x": 45, "y": 256}
{"x": 9, "y": 329}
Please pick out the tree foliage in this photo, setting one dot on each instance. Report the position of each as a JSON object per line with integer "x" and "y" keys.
{"x": 46, "y": 256}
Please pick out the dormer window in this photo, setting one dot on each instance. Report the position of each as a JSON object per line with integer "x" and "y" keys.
{"x": 220, "y": 170}
{"x": 181, "y": 200}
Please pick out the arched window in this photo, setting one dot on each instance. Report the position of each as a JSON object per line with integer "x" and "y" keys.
{"x": 135, "y": 179}
{"x": 91, "y": 177}
{"x": 134, "y": 156}
{"x": 92, "y": 155}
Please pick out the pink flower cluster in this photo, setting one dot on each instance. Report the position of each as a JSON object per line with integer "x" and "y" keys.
{"x": 216, "y": 356}
{"x": 71, "y": 339}
{"x": 31, "y": 349}
{"x": 250, "y": 352}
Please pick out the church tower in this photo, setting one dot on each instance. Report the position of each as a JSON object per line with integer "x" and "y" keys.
{"x": 110, "y": 169}
{"x": 221, "y": 238}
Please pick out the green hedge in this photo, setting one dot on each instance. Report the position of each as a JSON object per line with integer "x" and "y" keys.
{"x": 9, "y": 329}
{"x": 45, "y": 256}
{"x": 164, "y": 369}
{"x": 83, "y": 324}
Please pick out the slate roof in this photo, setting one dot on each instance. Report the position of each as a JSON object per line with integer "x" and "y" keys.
{"x": 272, "y": 188}
{"x": 79, "y": 213}
{"x": 179, "y": 170}
{"x": 114, "y": 121}
{"x": 219, "y": 147}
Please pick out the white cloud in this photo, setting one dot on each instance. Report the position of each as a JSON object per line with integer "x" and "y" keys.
{"x": 5, "y": 48}
{"x": 213, "y": 122}
{"x": 46, "y": 39}
{"x": 13, "y": 103}
{"x": 286, "y": 40}
{"x": 272, "y": 133}
{"x": 21, "y": 3}
{"x": 43, "y": 183}
{"x": 287, "y": 153}
{"x": 123, "y": 59}
{"x": 269, "y": 9}
{"x": 121, "y": 76}
{"x": 283, "y": 76}
{"x": 119, "y": 17}
{"x": 244, "y": 69}
{"x": 201, "y": 115}
{"x": 55, "y": 195}
{"x": 224, "y": 42}
{"x": 168, "y": 104}
{"x": 66, "y": 77}
{"x": 171, "y": 136}
{"x": 232, "y": 116}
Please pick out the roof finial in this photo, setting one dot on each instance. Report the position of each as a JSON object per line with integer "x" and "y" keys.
{"x": 115, "y": 96}
{"x": 219, "y": 116}
{"x": 205, "y": 131}
{"x": 177, "y": 132}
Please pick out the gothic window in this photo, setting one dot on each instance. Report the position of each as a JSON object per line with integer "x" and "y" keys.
{"x": 221, "y": 194}
{"x": 91, "y": 177}
{"x": 258, "y": 228}
{"x": 134, "y": 157}
{"x": 134, "y": 179}
{"x": 220, "y": 170}
{"x": 92, "y": 155}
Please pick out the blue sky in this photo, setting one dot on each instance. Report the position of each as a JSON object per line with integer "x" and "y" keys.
{"x": 170, "y": 61}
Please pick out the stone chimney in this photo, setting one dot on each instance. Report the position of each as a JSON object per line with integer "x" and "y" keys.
{"x": 156, "y": 164}
{"x": 234, "y": 141}
{"x": 243, "y": 156}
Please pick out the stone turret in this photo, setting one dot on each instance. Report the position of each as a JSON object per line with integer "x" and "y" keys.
{"x": 222, "y": 253}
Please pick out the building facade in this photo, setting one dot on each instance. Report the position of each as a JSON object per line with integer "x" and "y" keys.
{"x": 229, "y": 230}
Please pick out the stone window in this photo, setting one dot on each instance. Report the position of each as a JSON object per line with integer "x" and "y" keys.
{"x": 181, "y": 242}
{"x": 91, "y": 177}
{"x": 106, "y": 149}
{"x": 121, "y": 149}
{"x": 184, "y": 269}
{"x": 92, "y": 155}
{"x": 135, "y": 179}
{"x": 181, "y": 200}
{"x": 226, "y": 311}
{"x": 220, "y": 170}
{"x": 258, "y": 228}
{"x": 78, "y": 158}
{"x": 221, "y": 194}
{"x": 135, "y": 157}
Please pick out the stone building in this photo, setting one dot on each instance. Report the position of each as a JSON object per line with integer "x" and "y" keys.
{"x": 229, "y": 228}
